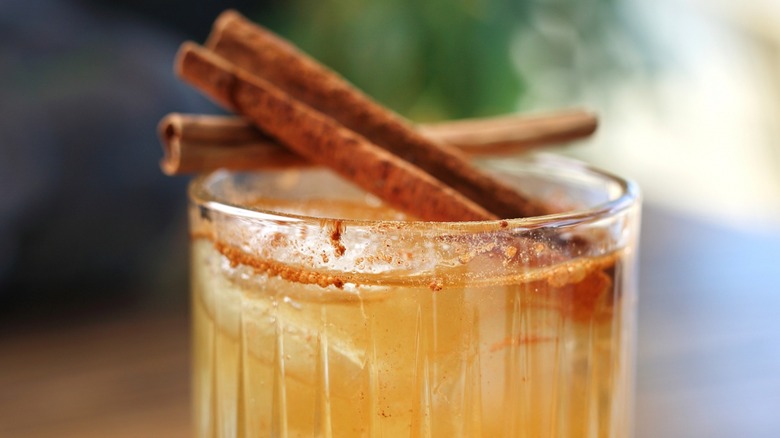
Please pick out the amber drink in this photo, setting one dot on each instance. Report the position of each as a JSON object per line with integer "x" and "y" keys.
{"x": 320, "y": 312}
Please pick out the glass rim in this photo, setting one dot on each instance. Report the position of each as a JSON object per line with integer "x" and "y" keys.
{"x": 629, "y": 196}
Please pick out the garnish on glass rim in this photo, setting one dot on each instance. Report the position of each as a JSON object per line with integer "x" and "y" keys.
{"x": 321, "y": 117}
{"x": 195, "y": 143}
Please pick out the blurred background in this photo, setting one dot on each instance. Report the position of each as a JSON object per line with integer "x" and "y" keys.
{"x": 687, "y": 91}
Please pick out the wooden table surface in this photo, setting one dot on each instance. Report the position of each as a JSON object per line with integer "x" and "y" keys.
{"x": 708, "y": 354}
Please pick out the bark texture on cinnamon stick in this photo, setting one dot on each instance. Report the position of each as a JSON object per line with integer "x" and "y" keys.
{"x": 322, "y": 140}
{"x": 263, "y": 54}
{"x": 200, "y": 143}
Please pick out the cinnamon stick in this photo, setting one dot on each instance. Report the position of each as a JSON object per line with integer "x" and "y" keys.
{"x": 200, "y": 143}
{"x": 513, "y": 133}
{"x": 265, "y": 55}
{"x": 322, "y": 140}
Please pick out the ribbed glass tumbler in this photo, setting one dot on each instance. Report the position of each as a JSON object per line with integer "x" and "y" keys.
{"x": 320, "y": 312}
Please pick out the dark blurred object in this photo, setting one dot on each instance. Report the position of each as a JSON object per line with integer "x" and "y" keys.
{"x": 86, "y": 217}
{"x": 191, "y": 18}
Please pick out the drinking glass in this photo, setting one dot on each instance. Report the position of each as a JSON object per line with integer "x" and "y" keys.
{"x": 319, "y": 311}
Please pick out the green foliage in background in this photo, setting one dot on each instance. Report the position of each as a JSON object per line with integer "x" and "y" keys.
{"x": 447, "y": 59}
